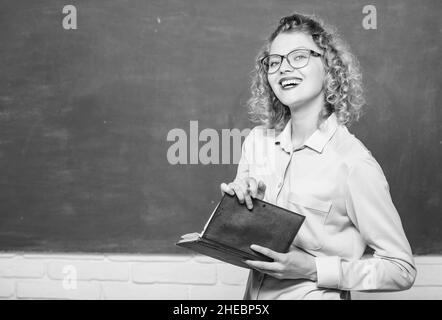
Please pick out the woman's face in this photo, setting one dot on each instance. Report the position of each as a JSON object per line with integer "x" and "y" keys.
{"x": 309, "y": 79}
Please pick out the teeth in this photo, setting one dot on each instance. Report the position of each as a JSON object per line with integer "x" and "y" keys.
{"x": 290, "y": 82}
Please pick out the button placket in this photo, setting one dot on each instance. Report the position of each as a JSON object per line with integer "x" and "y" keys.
{"x": 281, "y": 182}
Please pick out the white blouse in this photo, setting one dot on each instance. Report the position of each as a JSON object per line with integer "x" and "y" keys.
{"x": 334, "y": 181}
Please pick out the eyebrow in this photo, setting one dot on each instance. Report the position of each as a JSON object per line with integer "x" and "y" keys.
{"x": 298, "y": 48}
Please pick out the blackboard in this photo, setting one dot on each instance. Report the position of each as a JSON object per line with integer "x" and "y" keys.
{"x": 85, "y": 114}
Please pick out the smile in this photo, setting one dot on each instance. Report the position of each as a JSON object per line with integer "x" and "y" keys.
{"x": 289, "y": 83}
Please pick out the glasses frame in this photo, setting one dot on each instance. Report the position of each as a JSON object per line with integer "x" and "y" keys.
{"x": 310, "y": 53}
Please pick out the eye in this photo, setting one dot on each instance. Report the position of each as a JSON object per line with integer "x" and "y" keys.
{"x": 273, "y": 61}
{"x": 300, "y": 56}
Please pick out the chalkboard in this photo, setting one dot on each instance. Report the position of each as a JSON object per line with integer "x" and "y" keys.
{"x": 85, "y": 114}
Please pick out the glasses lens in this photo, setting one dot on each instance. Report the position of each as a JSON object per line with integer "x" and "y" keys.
{"x": 299, "y": 58}
{"x": 271, "y": 63}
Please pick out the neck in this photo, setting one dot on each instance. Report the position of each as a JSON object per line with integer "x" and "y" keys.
{"x": 305, "y": 119}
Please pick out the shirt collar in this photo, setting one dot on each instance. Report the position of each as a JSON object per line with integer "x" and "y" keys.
{"x": 316, "y": 141}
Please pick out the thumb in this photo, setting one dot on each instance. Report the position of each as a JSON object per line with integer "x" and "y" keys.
{"x": 261, "y": 190}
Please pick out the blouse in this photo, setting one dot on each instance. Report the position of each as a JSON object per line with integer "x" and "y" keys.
{"x": 335, "y": 182}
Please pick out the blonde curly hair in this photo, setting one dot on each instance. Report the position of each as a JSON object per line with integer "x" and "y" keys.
{"x": 342, "y": 84}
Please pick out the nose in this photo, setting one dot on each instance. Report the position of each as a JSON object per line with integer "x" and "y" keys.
{"x": 285, "y": 66}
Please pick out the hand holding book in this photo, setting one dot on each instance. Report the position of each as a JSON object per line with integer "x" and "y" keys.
{"x": 291, "y": 265}
{"x": 296, "y": 264}
{"x": 232, "y": 229}
{"x": 245, "y": 190}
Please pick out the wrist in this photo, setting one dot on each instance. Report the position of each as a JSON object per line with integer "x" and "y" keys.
{"x": 313, "y": 274}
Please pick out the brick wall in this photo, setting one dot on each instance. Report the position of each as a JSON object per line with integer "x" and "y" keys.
{"x": 43, "y": 276}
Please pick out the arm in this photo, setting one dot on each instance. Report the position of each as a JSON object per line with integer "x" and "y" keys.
{"x": 243, "y": 169}
{"x": 373, "y": 213}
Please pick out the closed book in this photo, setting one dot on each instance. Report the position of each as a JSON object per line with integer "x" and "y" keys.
{"x": 233, "y": 228}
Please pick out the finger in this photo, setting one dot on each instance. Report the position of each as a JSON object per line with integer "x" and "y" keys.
{"x": 226, "y": 189}
{"x": 245, "y": 187}
{"x": 248, "y": 200}
{"x": 242, "y": 184}
{"x": 256, "y": 268}
{"x": 263, "y": 266}
{"x": 238, "y": 191}
{"x": 276, "y": 275}
{"x": 252, "y": 186}
{"x": 190, "y": 235}
{"x": 261, "y": 190}
{"x": 267, "y": 252}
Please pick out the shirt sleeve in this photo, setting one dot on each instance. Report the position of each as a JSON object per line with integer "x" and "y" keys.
{"x": 243, "y": 170}
{"x": 370, "y": 208}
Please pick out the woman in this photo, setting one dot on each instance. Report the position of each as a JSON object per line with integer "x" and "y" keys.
{"x": 306, "y": 89}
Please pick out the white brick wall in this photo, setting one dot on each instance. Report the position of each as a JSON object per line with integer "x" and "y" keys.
{"x": 172, "y": 272}
{"x": 42, "y": 276}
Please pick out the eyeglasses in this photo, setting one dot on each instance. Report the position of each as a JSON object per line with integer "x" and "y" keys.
{"x": 297, "y": 59}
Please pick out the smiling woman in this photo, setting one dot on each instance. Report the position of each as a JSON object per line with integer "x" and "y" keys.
{"x": 307, "y": 88}
{"x": 342, "y": 78}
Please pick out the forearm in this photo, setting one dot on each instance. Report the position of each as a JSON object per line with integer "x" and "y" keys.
{"x": 379, "y": 273}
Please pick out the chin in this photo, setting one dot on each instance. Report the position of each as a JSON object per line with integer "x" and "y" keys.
{"x": 297, "y": 100}
{"x": 291, "y": 102}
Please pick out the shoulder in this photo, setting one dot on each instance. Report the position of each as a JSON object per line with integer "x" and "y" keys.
{"x": 259, "y": 134}
{"x": 362, "y": 167}
{"x": 354, "y": 153}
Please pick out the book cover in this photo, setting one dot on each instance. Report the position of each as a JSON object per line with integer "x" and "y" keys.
{"x": 232, "y": 228}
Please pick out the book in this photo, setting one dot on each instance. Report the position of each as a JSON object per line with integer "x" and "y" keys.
{"x": 232, "y": 228}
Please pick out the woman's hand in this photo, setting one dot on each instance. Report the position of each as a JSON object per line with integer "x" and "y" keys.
{"x": 189, "y": 236}
{"x": 245, "y": 189}
{"x": 295, "y": 264}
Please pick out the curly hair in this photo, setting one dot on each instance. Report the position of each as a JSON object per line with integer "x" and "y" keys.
{"x": 342, "y": 84}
